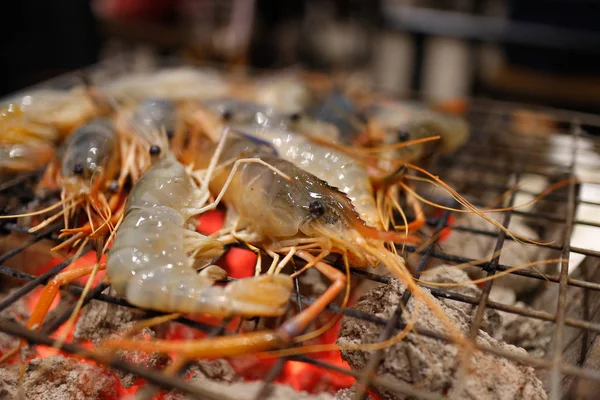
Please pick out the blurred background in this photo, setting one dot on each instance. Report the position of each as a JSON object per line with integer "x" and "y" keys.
{"x": 535, "y": 51}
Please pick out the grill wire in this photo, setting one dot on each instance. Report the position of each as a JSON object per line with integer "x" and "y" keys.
{"x": 466, "y": 159}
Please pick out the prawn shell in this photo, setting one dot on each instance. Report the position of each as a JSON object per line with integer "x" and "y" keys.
{"x": 168, "y": 185}
{"x": 135, "y": 251}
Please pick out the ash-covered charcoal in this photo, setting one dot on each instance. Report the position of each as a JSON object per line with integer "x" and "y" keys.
{"x": 581, "y": 304}
{"x": 214, "y": 370}
{"x": 448, "y": 274}
{"x": 145, "y": 360}
{"x": 16, "y": 313}
{"x": 531, "y": 334}
{"x": 478, "y": 246}
{"x": 100, "y": 321}
{"x": 57, "y": 377}
{"x": 219, "y": 377}
{"x": 8, "y": 381}
{"x": 432, "y": 364}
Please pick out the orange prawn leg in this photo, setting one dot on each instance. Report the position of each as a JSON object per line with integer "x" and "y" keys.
{"x": 45, "y": 301}
{"x": 51, "y": 290}
{"x": 230, "y": 346}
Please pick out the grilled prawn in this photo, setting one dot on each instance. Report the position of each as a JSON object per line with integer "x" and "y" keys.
{"x": 155, "y": 255}
{"x": 334, "y": 167}
{"x": 85, "y": 167}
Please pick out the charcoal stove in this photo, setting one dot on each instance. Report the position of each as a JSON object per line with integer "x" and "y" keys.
{"x": 506, "y": 161}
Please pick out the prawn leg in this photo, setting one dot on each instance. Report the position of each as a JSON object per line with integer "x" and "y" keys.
{"x": 229, "y": 346}
{"x": 51, "y": 290}
{"x": 47, "y": 297}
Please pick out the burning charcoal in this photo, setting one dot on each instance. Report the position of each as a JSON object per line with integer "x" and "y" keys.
{"x": 57, "y": 377}
{"x": 431, "y": 363}
{"x": 100, "y": 321}
{"x": 220, "y": 378}
{"x": 152, "y": 361}
{"x": 477, "y": 246}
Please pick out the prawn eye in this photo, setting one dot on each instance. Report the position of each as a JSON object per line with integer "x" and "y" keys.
{"x": 227, "y": 115}
{"x": 403, "y": 135}
{"x": 78, "y": 169}
{"x": 316, "y": 208}
{"x": 154, "y": 150}
{"x": 295, "y": 117}
{"x": 113, "y": 186}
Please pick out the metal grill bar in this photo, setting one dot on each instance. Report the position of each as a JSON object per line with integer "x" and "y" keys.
{"x": 28, "y": 287}
{"x": 561, "y": 308}
{"x": 500, "y": 267}
{"x": 376, "y": 357}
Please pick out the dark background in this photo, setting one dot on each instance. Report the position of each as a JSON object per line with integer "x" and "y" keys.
{"x": 42, "y": 39}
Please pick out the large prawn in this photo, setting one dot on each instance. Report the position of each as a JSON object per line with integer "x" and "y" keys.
{"x": 90, "y": 172}
{"x": 301, "y": 216}
{"x": 336, "y": 167}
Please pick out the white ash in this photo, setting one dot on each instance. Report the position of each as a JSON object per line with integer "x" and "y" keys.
{"x": 219, "y": 377}
{"x": 348, "y": 394}
{"x": 101, "y": 320}
{"x": 477, "y": 246}
{"x": 15, "y": 313}
{"x": 430, "y": 363}
{"x": 58, "y": 377}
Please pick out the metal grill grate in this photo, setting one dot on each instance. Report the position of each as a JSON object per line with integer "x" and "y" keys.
{"x": 481, "y": 154}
